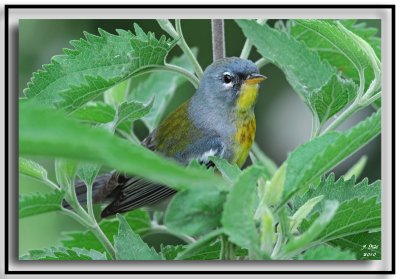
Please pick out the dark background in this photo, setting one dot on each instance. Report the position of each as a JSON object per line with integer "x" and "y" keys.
{"x": 283, "y": 120}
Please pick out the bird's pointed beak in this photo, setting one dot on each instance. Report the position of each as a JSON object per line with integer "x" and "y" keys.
{"x": 255, "y": 79}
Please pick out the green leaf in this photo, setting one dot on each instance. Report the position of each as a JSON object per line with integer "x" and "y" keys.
{"x": 38, "y": 203}
{"x": 129, "y": 245}
{"x": 87, "y": 172}
{"x": 228, "y": 171}
{"x": 64, "y": 254}
{"x": 138, "y": 220}
{"x": 332, "y": 97}
{"x": 94, "y": 65}
{"x": 353, "y": 217}
{"x": 170, "y": 252}
{"x": 131, "y": 111}
{"x": 94, "y": 112}
{"x": 314, "y": 158}
{"x": 313, "y": 230}
{"x": 116, "y": 95}
{"x": 340, "y": 41}
{"x": 238, "y": 215}
{"x": 340, "y": 190}
{"x": 195, "y": 211}
{"x": 334, "y": 46}
{"x": 32, "y": 169}
{"x": 65, "y": 172}
{"x": 356, "y": 169}
{"x": 43, "y": 132}
{"x": 161, "y": 86}
{"x": 366, "y": 246}
{"x": 312, "y": 78}
{"x": 326, "y": 253}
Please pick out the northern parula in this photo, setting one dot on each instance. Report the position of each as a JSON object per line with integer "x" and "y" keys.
{"x": 218, "y": 120}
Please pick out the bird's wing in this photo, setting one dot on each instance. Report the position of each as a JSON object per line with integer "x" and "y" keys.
{"x": 134, "y": 192}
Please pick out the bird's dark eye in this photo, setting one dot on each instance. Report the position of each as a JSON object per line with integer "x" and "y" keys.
{"x": 227, "y": 78}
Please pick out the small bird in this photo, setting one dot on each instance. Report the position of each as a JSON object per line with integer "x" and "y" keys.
{"x": 218, "y": 120}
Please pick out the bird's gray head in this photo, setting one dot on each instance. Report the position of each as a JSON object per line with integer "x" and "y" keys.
{"x": 230, "y": 83}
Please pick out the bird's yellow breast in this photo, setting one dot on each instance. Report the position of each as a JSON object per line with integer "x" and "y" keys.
{"x": 244, "y": 139}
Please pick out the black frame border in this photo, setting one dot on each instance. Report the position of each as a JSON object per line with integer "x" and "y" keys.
{"x": 7, "y": 155}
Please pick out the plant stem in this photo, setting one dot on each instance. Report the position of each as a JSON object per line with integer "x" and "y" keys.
{"x": 174, "y": 69}
{"x": 187, "y": 51}
{"x": 84, "y": 218}
{"x": 89, "y": 201}
{"x": 225, "y": 248}
{"x": 342, "y": 117}
{"x": 261, "y": 62}
{"x": 103, "y": 239}
{"x": 198, "y": 244}
{"x": 218, "y": 38}
{"x": 247, "y": 45}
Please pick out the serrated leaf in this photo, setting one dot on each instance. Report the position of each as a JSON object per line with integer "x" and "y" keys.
{"x": 340, "y": 190}
{"x": 38, "y": 203}
{"x": 326, "y": 253}
{"x": 238, "y": 215}
{"x": 131, "y": 111}
{"x": 314, "y": 158}
{"x": 87, "y": 172}
{"x": 332, "y": 97}
{"x": 94, "y": 65}
{"x": 353, "y": 217}
{"x": 138, "y": 220}
{"x": 31, "y": 168}
{"x": 366, "y": 246}
{"x": 129, "y": 245}
{"x": 161, "y": 86}
{"x": 64, "y": 254}
{"x": 310, "y": 77}
{"x": 195, "y": 211}
{"x": 170, "y": 252}
{"x": 99, "y": 146}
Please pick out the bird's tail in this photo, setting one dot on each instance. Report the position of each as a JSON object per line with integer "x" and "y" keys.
{"x": 80, "y": 189}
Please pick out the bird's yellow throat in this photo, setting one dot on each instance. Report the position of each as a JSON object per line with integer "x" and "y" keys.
{"x": 247, "y": 96}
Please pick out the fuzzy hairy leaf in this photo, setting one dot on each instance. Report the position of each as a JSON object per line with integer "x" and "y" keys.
{"x": 94, "y": 112}
{"x": 353, "y": 217}
{"x": 238, "y": 215}
{"x": 38, "y": 203}
{"x": 161, "y": 86}
{"x": 31, "y": 168}
{"x": 324, "y": 37}
{"x": 64, "y": 254}
{"x": 129, "y": 245}
{"x": 340, "y": 190}
{"x": 325, "y": 252}
{"x": 332, "y": 97}
{"x": 313, "y": 230}
{"x": 366, "y": 246}
{"x": 314, "y": 158}
{"x": 94, "y": 65}
{"x": 138, "y": 220}
{"x": 99, "y": 146}
{"x": 228, "y": 171}
{"x": 131, "y": 111}
{"x": 311, "y": 78}
{"x": 195, "y": 211}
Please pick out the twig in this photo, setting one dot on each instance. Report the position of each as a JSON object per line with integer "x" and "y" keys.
{"x": 218, "y": 38}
